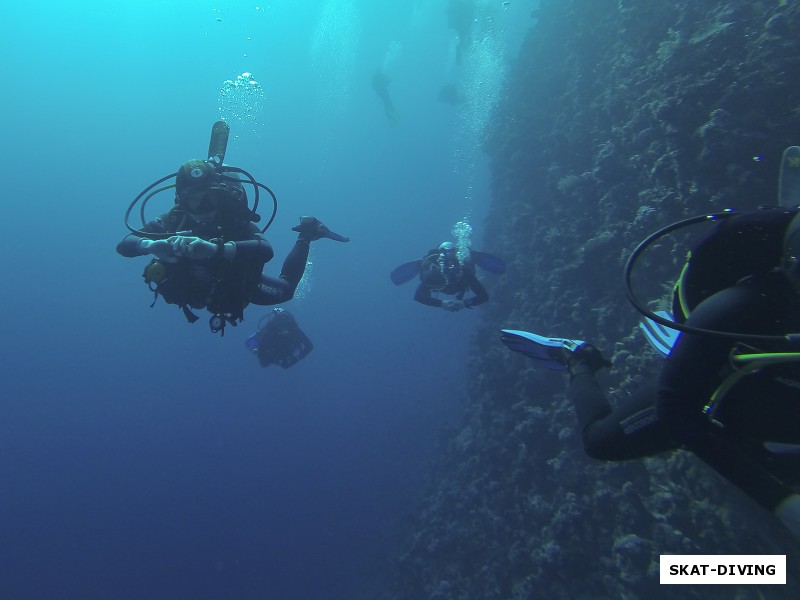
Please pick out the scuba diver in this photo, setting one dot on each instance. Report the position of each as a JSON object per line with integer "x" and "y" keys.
{"x": 443, "y": 271}
{"x": 449, "y": 94}
{"x": 461, "y": 17}
{"x": 728, "y": 388}
{"x": 208, "y": 251}
{"x": 279, "y": 340}
{"x": 380, "y": 83}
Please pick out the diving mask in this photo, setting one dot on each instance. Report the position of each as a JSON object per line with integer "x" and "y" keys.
{"x": 203, "y": 201}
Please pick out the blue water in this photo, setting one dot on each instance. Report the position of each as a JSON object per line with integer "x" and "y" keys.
{"x": 143, "y": 457}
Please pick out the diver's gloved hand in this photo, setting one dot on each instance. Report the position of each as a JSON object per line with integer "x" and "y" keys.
{"x": 161, "y": 249}
{"x": 191, "y": 247}
{"x": 311, "y": 229}
{"x": 453, "y": 305}
{"x": 586, "y": 358}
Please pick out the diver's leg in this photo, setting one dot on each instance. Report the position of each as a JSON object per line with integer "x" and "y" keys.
{"x": 275, "y": 290}
{"x": 295, "y": 264}
{"x": 631, "y": 431}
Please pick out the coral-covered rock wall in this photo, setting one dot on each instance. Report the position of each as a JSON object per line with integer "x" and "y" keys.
{"x": 620, "y": 116}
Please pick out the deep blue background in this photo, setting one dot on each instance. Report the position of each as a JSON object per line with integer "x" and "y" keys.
{"x": 141, "y": 457}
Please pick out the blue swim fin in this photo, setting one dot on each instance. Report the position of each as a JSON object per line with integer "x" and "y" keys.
{"x": 488, "y": 262}
{"x": 406, "y": 272}
{"x": 661, "y": 338}
{"x": 251, "y": 343}
{"x": 548, "y": 352}
{"x": 782, "y": 448}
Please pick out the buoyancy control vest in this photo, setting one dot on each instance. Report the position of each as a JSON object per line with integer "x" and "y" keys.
{"x": 745, "y": 244}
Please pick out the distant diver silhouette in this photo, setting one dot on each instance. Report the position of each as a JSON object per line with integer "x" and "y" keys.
{"x": 449, "y": 95}
{"x": 460, "y": 16}
{"x": 380, "y": 83}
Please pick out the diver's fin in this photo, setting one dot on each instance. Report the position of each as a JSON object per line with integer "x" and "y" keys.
{"x": 332, "y": 235}
{"x": 406, "y": 272}
{"x": 661, "y": 338}
{"x": 218, "y": 143}
{"x": 789, "y": 180}
{"x": 782, "y": 448}
{"x": 251, "y": 343}
{"x": 551, "y": 353}
{"x": 314, "y": 229}
{"x": 488, "y": 262}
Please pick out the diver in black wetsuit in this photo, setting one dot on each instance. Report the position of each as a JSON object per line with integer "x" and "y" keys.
{"x": 209, "y": 252}
{"x": 279, "y": 340}
{"x": 461, "y": 17}
{"x": 739, "y": 416}
{"x": 442, "y": 272}
{"x": 380, "y": 83}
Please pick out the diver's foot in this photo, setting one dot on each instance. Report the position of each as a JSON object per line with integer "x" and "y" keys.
{"x": 552, "y": 353}
{"x": 312, "y": 229}
{"x": 583, "y": 357}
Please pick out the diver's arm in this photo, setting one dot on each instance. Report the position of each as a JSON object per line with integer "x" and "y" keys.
{"x": 131, "y": 245}
{"x": 481, "y": 295}
{"x": 249, "y": 251}
{"x": 423, "y": 296}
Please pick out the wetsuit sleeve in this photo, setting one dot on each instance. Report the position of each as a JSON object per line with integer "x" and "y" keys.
{"x": 274, "y": 290}
{"x": 129, "y": 245}
{"x": 481, "y": 295}
{"x": 423, "y": 296}
{"x": 258, "y": 251}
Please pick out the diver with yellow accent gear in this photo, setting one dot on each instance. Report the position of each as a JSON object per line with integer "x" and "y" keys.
{"x": 728, "y": 389}
{"x": 208, "y": 251}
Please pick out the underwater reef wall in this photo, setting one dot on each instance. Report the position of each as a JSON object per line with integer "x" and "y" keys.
{"x": 619, "y": 117}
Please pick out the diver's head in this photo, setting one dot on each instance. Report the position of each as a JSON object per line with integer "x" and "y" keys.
{"x": 280, "y": 315}
{"x": 790, "y": 262}
{"x": 449, "y": 263}
{"x": 447, "y": 248}
{"x": 198, "y": 188}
